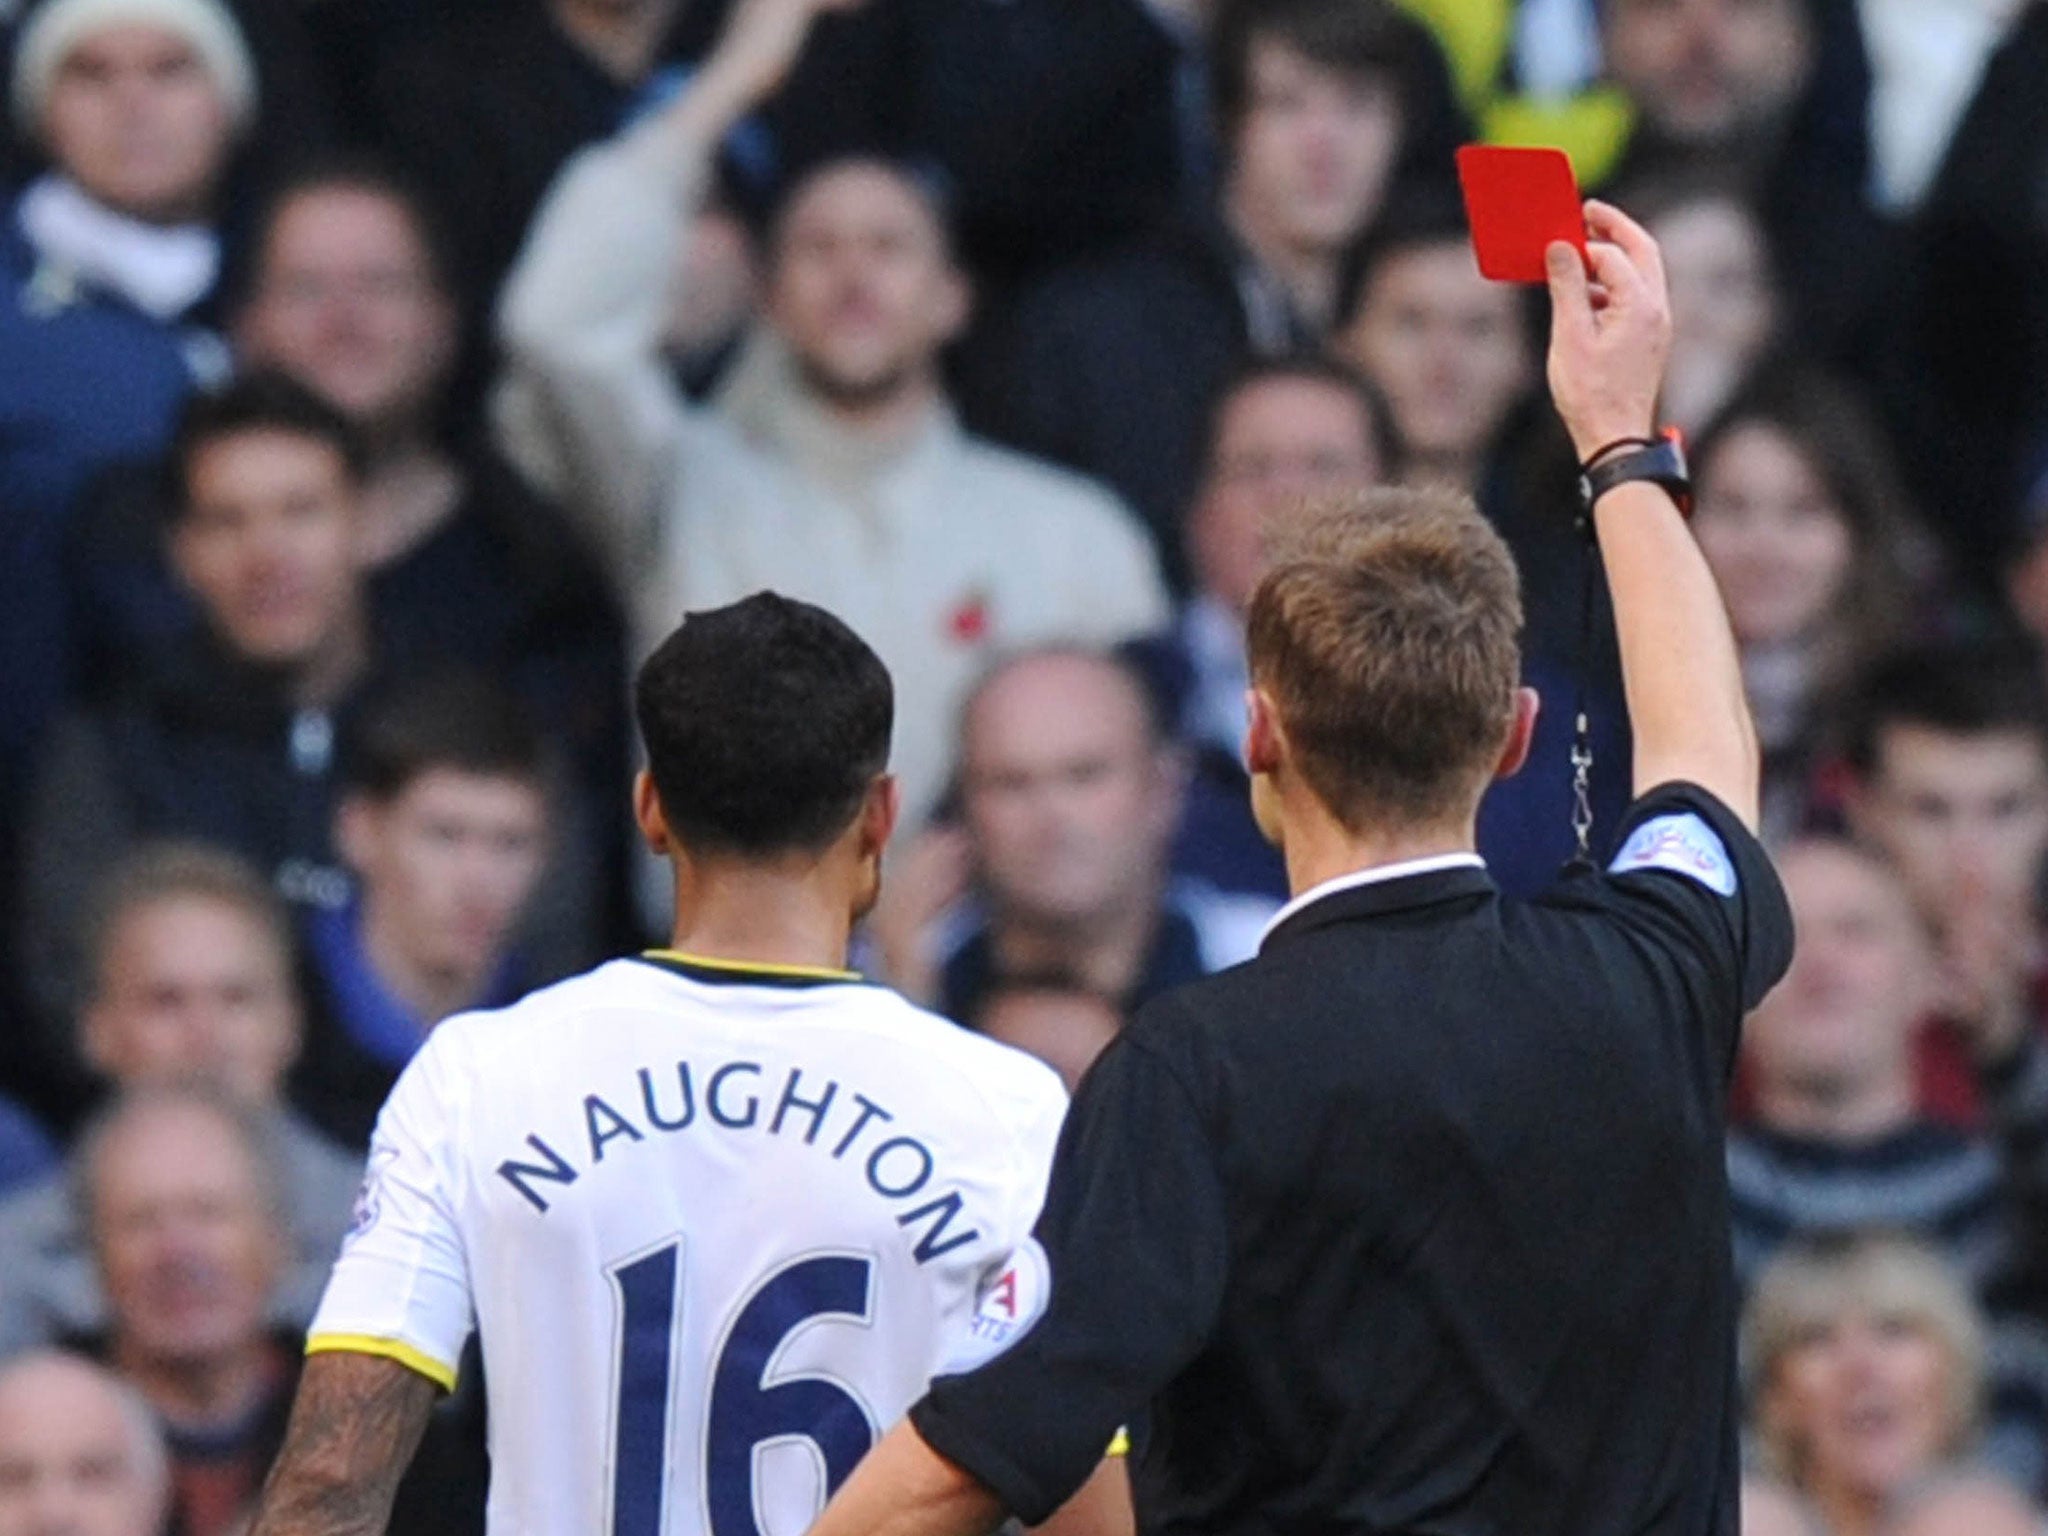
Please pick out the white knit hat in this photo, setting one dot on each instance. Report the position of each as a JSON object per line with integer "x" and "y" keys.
{"x": 55, "y": 28}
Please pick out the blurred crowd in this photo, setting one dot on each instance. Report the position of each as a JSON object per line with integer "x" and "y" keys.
{"x": 379, "y": 379}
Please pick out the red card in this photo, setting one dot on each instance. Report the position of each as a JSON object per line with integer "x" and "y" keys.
{"x": 1518, "y": 201}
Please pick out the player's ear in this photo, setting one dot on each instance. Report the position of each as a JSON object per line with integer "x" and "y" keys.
{"x": 1520, "y": 734}
{"x": 648, "y": 813}
{"x": 879, "y": 814}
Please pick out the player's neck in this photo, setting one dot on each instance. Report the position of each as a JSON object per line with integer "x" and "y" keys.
{"x": 762, "y": 916}
{"x": 201, "y": 1393}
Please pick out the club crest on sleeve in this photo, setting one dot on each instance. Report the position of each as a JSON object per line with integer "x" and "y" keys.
{"x": 369, "y": 1203}
{"x": 1015, "y": 1298}
{"x": 1683, "y": 844}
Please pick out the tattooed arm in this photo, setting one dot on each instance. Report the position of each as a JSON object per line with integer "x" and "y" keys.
{"x": 355, "y": 1425}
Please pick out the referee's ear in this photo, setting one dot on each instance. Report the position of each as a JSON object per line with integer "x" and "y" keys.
{"x": 1520, "y": 735}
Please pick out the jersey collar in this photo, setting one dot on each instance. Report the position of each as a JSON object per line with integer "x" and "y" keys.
{"x": 747, "y": 973}
{"x": 1384, "y": 887}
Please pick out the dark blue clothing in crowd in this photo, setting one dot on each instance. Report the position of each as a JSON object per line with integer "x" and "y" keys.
{"x": 360, "y": 1034}
{"x": 85, "y": 379}
{"x": 26, "y": 1153}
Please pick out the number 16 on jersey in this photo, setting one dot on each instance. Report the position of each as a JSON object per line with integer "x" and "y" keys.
{"x": 747, "y": 1404}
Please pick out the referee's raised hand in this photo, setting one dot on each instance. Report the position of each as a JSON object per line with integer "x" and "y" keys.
{"x": 1610, "y": 330}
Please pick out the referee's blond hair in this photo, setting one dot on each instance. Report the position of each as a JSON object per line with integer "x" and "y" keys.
{"x": 1388, "y": 633}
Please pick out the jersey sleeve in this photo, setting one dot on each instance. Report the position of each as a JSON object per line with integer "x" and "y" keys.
{"x": 1130, "y": 1254}
{"x": 1011, "y": 1293}
{"x": 401, "y": 1287}
{"x": 1696, "y": 883}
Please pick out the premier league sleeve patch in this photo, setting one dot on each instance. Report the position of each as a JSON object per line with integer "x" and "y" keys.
{"x": 1011, "y": 1300}
{"x": 1683, "y": 844}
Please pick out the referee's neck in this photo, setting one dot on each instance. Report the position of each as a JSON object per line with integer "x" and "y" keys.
{"x": 1318, "y": 848}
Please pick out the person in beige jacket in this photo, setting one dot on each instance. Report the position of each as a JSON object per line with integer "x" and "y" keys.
{"x": 833, "y": 469}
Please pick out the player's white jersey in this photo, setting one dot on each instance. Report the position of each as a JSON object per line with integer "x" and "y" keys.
{"x": 718, "y": 1226}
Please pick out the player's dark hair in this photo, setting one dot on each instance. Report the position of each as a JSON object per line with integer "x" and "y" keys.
{"x": 1352, "y": 37}
{"x": 456, "y": 720}
{"x": 1971, "y": 688}
{"x": 765, "y": 722}
{"x": 1312, "y": 368}
{"x": 257, "y": 402}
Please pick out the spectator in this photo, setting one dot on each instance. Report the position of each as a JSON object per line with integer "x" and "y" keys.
{"x": 187, "y": 1233}
{"x": 1069, "y": 793}
{"x": 80, "y": 1452}
{"x": 105, "y": 262}
{"x": 347, "y": 293}
{"x": 1050, "y": 1016}
{"x": 1960, "y": 326}
{"x": 1866, "y": 1367}
{"x": 486, "y": 111}
{"x": 1834, "y": 1138}
{"x": 1963, "y": 1504}
{"x": 841, "y": 476}
{"x": 230, "y": 738}
{"x": 1054, "y": 124}
{"x": 1771, "y": 96}
{"x": 1947, "y": 759}
{"x": 1802, "y": 521}
{"x": 1726, "y": 310}
{"x": 1280, "y": 430}
{"x": 1111, "y": 366}
{"x": 191, "y": 980}
{"x": 351, "y": 295}
{"x": 187, "y": 1223}
{"x": 443, "y": 824}
{"x": 1450, "y": 350}
{"x": 1709, "y": 79}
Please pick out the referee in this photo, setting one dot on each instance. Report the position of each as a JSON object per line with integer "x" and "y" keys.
{"x": 1417, "y": 1223}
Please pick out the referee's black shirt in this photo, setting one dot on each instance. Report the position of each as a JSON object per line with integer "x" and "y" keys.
{"x": 1416, "y": 1223}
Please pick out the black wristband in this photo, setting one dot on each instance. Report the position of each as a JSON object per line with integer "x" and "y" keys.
{"x": 1661, "y": 463}
{"x": 1606, "y": 448}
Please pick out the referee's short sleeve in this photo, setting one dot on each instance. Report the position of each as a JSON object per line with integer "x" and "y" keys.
{"x": 1135, "y": 1251}
{"x": 1687, "y": 871}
